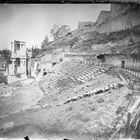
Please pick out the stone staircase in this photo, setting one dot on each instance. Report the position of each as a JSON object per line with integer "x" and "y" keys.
{"x": 80, "y": 74}
{"x": 87, "y": 74}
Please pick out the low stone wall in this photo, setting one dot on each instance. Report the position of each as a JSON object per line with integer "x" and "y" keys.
{"x": 3, "y": 79}
{"x": 11, "y": 79}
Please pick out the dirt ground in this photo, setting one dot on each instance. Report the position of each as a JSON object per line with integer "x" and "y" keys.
{"x": 89, "y": 111}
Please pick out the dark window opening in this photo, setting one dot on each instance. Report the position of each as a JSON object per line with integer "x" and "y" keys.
{"x": 17, "y": 47}
{"x": 123, "y": 64}
{"x": 101, "y": 58}
{"x": 61, "y": 59}
{"x": 44, "y": 73}
{"x": 17, "y": 62}
{"x": 87, "y": 25}
{"x": 53, "y": 64}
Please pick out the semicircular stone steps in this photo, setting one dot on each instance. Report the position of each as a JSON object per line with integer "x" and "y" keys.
{"x": 86, "y": 77}
{"x": 88, "y": 74}
{"x": 79, "y": 74}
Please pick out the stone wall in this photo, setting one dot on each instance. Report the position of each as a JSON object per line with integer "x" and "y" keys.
{"x": 75, "y": 57}
{"x": 102, "y": 17}
{"x": 128, "y": 62}
{"x": 125, "y": 20}
{"x": 117, "y": 9}
{"x": 84, "y": 27}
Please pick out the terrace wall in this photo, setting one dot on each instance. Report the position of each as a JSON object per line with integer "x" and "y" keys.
{"x": 129, "y": 18}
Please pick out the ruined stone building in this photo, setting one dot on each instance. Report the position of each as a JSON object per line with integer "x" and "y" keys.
{"x": 18, "y": 58}
{"x": 19, "y": 67}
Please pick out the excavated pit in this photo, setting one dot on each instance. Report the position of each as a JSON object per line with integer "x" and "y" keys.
{"x": 91, "y": 101}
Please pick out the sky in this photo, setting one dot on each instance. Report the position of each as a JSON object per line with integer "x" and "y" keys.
{"x": 32, "y": 22}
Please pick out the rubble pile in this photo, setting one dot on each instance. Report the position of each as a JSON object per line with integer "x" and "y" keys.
{"x": 96, "y": 91}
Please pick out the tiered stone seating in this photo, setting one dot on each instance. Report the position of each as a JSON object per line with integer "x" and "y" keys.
{"x": 69, "y": 66}
{"x": 125, "y": 75}
{"x": 88, "y": 74}
{"x": 79, "y": 68}
{"x": 77, "y": 75}
{"x": 53, "y": 81}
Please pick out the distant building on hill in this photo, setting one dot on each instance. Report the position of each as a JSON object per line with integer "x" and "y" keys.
{"x": 86, "y": 24}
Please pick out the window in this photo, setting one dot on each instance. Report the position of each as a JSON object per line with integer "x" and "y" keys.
{"x": 123, "y": 64}
{"x": 17, "y": 46}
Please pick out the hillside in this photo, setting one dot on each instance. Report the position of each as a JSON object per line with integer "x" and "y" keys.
{"x": 114, "y": 31}
{"x": 125, "y": 40}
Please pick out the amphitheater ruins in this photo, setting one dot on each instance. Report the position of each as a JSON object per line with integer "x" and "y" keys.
{"x": 84, "y": 85}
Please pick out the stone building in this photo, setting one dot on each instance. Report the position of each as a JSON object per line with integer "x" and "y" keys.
{"x": 102, "y": 17}
{"x": 86, "y": 26}
{"x": 118, "y": 9}
{"x": 19, "y": 67}
{"x": 122, "y": 17}
{"x": 18, "y": 58}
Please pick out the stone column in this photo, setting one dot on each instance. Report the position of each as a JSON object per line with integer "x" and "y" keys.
{"x": 12, "y": 47}
{"x": 13, "y": 68}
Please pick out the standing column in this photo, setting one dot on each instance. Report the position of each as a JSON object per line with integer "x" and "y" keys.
{"x": 13, "y": 67}
{"x": 11, "y": 46}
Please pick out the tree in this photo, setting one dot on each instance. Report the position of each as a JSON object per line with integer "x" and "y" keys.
{"x": 35, "y": 51}
{"x": 54, "y": 31}
{"x": 45, "y": 43}
{"x": 7, "y": 54}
